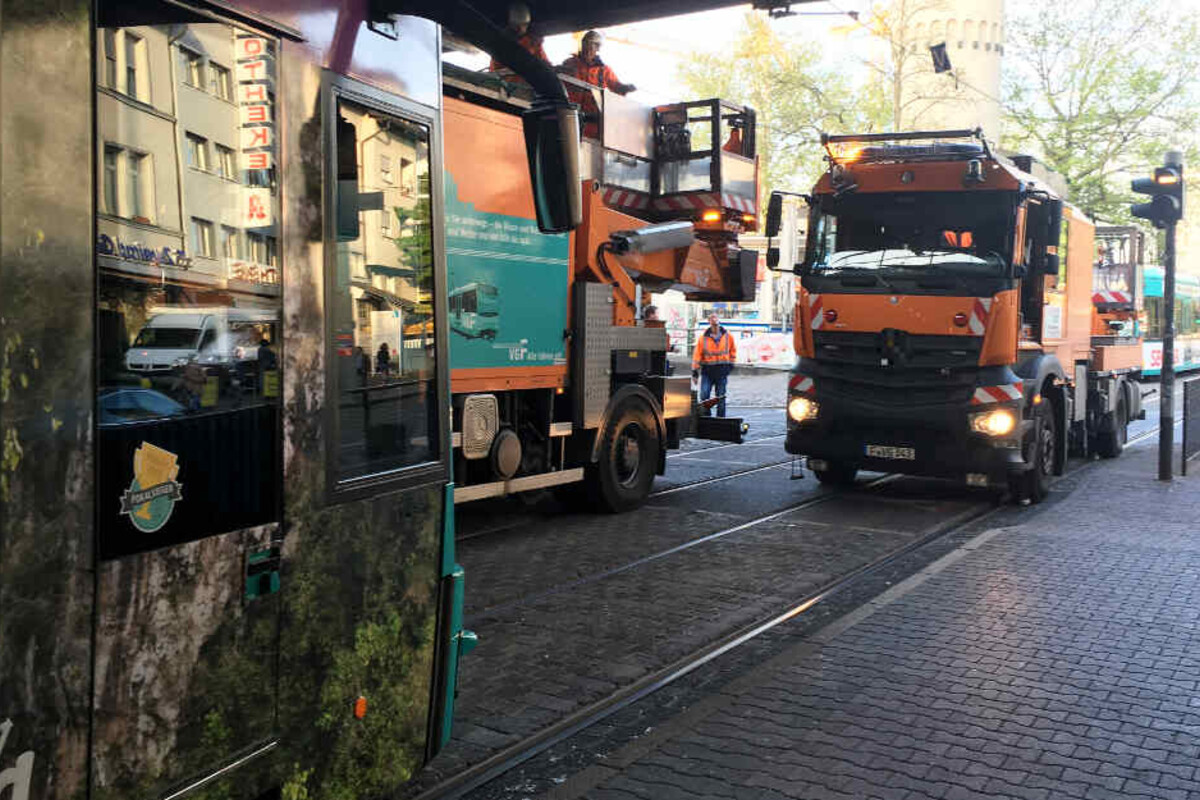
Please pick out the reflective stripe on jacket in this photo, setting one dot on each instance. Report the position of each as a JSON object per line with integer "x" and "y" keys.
{"x": 721, "y": 350}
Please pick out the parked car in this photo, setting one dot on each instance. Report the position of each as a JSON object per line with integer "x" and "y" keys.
{"x": 135, "y": 404}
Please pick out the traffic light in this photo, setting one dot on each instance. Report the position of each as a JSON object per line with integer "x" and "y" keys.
{"x": 1166, "y": 195}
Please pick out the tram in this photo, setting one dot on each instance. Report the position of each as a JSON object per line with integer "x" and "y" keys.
{"x": 226, "y": 545}
{"x": 475, "y": 310}
{"x": 1187, "y": 321}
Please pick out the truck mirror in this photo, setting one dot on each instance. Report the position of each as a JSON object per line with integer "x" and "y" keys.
{"x": 772, "y": 257}
{"x": 774, "y": 214}
{"x": 1051, "y": 264}
{"x": 347, "y": 180}
{"x": 552, "y": 146}
{"x": 1054, "y": 221}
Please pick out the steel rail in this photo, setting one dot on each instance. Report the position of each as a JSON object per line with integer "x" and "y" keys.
{"x": 516, "y": 754}
{"x": 670, "y": 551}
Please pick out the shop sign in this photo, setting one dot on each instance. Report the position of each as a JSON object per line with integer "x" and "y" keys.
{"x": 136, "y": 251}
{"x": 255, "y": 83}
{"x": 253, "y": 272}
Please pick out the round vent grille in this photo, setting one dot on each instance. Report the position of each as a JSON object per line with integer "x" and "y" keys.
{"x": 480, "y": 421}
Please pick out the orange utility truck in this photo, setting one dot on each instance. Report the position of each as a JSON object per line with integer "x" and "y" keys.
{"x": 945, "y": 322}
{"x": 556, "y": 377}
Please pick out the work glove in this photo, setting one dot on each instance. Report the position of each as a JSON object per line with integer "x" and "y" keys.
{"x": 695, "y": 373}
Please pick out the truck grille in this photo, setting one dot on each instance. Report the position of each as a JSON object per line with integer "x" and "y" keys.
{"x": 920, "y": 370}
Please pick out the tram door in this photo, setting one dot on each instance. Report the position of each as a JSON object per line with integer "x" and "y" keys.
{"x": 271, "y": 447}
{"x": 188, "y": 398}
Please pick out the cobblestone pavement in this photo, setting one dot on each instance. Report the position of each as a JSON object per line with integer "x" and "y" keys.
{"x": 1052, "y": 657}
{"x": 571, "y": 608}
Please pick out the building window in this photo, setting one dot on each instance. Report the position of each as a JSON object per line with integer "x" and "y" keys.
{"x": 112, "y": 156}
{"x": 202, "y": 237}
{"x": 229, "y": 242}
{"x": 225, "y": 163}
{"x": 263, "y": 249}
{"x": 408, "y": 178}
{"x": 134, "y": 47}
{"x": 385, "y": 169}
{"x": 385, "y": 221}
{"x": 110, "y": 58}
{"x": 219, "y": 81}
{"x": 197, "y": 151}
{"x": 191, "y": 66}
{"x": 137, "y": 205}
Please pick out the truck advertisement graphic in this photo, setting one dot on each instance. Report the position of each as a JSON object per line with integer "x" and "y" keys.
{"x": 507, "y": 288}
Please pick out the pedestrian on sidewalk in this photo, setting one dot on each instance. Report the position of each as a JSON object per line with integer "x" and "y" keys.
{"x": 713, "y": 360}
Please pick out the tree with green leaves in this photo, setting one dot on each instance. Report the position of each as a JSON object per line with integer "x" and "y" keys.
{"x": 1099, "y": 90}
{"x": 795, "y": 97}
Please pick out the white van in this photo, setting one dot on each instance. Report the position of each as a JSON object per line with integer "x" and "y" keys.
{"x": 213, "y": 337}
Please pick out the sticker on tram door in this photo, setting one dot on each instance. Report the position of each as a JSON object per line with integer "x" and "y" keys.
{"x": 150, "y": 499}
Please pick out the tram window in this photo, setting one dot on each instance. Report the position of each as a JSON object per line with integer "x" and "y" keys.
{"x": 189, "y": 353}
{"x": 383, "y": 356}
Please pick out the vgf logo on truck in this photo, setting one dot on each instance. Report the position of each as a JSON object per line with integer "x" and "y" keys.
{"x": 18, "y": 777}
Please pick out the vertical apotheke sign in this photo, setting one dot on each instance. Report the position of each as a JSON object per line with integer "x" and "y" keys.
{"x": 256, "y": 75}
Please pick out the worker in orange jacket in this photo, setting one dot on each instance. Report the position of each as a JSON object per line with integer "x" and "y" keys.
{"x": 713, "y": 360}
{"x": 586, "y": 66}
{"x": 519, "y": 20}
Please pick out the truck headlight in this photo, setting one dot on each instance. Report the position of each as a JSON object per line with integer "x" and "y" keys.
{"x": 997, "y": 422}
{"x": 801, "y": 408}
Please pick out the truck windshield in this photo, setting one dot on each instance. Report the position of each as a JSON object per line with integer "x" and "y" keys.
{"x": 966, "y": 233}
{"x": 167, "y": 338}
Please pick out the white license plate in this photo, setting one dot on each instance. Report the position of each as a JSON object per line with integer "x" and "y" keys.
{"x": 887, "y": 451}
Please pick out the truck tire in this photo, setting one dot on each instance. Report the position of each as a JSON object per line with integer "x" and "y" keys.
{"x": 620, "y": 479}
{"x": 838, "y": 474}
{"x": 1111, "y": 441}
{"x": 1034, "y": 485}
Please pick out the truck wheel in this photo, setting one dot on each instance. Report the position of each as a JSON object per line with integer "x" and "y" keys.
{"x": 620, "y": 480}
{"x": 837, "y": 474}
{"x": 1034, "y": 485}
{"x": 1111, "y": 441}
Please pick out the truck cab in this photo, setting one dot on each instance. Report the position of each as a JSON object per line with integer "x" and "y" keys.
{"x": 944, "y": 319}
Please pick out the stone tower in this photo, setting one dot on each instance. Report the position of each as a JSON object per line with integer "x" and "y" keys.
{"x": 973, "y": 31}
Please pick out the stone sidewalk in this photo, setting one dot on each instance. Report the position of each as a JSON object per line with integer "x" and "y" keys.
{"x": 1057, "y": 657}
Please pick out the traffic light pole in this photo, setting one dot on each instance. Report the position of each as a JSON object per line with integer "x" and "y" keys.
{"x": 1166, "y": 408}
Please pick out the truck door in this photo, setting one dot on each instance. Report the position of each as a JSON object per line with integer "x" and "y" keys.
{"x": 189, "y": 474}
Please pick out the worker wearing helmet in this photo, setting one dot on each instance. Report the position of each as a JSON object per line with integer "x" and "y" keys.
{"x": 587, "y": 66}
{"x": 713, "y": 360}
{"x": 519, "y": 20}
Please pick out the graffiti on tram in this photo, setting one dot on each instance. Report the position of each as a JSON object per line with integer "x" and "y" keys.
{"x": 18, "y": 777}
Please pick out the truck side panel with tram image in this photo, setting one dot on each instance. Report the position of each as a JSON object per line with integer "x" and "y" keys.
{"x": 945, "y": 323}
{"x": 557, "y": 381}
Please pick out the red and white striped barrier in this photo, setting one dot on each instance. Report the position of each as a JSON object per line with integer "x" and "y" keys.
{"x": 800, "y": 384}
{"x": 703, "y": 200}
{"x": 997, "y": 394}
{"x": 977, "y": 321}
{"x": 1111, "y": 297}
{"x": 815, "y": 313}
{"x": 614, "y": 196}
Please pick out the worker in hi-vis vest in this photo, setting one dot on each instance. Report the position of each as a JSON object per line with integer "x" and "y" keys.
{"x": 713, "y": 359}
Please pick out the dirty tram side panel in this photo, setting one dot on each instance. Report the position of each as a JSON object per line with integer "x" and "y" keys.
{"x": 222, "y": 558}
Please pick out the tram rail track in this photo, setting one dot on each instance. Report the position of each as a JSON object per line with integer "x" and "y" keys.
{"x": 659, "y": 493}
{"x": 512, "y": 756}
{"x": 518, "y": 753}
{"x": 595, "y": 577}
